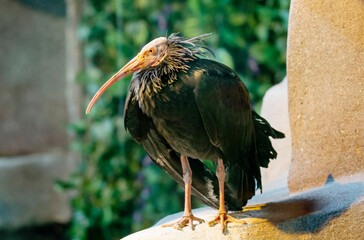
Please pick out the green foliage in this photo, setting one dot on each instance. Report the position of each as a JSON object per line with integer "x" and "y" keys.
{"x": 116, "y": 188}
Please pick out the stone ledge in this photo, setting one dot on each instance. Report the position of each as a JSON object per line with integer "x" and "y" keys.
{"x": 333, "y": 211}
{"x": 27, "y": 195}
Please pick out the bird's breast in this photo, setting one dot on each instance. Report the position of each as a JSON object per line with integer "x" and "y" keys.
{"x": 178, "y": 120}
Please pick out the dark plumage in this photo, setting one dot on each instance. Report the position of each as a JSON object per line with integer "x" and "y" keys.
{"x": 184, "y": 105}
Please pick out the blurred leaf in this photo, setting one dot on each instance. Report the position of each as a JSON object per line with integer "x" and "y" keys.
{"x": 138, "y": 31}
{"x": 237, "y": 18}
{"x": 223, "y": 56}
{"x": 262, "y": 32}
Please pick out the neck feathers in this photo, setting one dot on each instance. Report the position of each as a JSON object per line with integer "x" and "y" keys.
{"x": 180, "y": 52}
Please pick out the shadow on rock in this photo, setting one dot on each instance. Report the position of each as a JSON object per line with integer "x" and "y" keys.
{"x": 311, "y": 211}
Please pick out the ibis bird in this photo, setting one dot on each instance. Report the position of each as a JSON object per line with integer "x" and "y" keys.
{"x": 183, "y": 108}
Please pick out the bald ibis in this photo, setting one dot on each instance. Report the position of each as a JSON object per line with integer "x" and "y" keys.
{"x": 183, "y": 108}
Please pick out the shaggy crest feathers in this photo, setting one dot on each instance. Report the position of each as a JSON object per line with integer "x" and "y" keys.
{"x": 194, "y": 46}
{"x": 180, "y": 50}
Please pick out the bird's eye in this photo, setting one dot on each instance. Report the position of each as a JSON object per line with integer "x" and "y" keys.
{"x": 151, "y": 50}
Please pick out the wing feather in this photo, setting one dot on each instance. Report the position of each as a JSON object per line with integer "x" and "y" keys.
{"x": 224, "y": 104}
{"x": 142, "y": 130}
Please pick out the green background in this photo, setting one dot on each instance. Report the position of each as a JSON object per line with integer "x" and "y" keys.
{"x": 116, "y": 189}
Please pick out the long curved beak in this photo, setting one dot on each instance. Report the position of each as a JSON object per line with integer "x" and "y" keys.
{"x": 134, "y": 65}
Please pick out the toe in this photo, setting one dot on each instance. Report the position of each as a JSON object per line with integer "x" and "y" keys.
{"x": 190, "y": 221}
{"x": 177, "y": 226}
{"x": 223, "y": 225}
{"x": 213, "y": 222}
{"x": 167, "y": 225}
{"x": 183, "y": 222}
{"x": 199, "y": 220}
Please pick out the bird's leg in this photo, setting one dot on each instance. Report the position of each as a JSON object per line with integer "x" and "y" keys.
{"x": 188, "y": 217}
{"x": 222, "y": 216}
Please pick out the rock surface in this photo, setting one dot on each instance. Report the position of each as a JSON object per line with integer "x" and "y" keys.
{"x": 325, "y": 72}
{"x": 27, "y": 191}
{"x": 33, "y": 107}
{"x": 34, "y": 89}
{"x": 275, "y": 110}
{"x": 332, "y": 211}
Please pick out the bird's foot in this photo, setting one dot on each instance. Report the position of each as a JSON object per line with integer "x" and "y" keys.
{"x": 224, "y": 219}
{"x": 185, "y": 221}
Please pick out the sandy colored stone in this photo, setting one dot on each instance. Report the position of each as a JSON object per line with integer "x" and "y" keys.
{"x": 33, "y": 106}
{"x": 325, "y": 83}
{"x": 334, "y": 211}
{"x": 27, "y": 189}
{"x": 275, "y": 110}
{"x": 38, "y": 96}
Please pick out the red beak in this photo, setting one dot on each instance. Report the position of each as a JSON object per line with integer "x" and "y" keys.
{"x": 134, "y": 65}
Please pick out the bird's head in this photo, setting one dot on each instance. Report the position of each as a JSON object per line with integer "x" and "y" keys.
{"x": 152, "y": 55}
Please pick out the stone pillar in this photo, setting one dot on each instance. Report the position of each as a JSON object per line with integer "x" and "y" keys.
{"x": 325, "y": 67}
{"x": 275, "y": 111}
{"x": 34, "y": 112}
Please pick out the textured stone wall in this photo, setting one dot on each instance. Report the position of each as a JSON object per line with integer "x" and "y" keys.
{"x": 38, "y": 97}
{"x": 325, "y": 67}
{"x": 33, "y": 112}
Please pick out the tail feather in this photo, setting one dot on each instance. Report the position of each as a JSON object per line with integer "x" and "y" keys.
{"x": 263, "y": 131}
{"x": 244, "y": 183}
{"x": 241, "y": 183}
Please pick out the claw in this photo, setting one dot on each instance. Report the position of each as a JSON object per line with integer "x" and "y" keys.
{"x": 184, "y": 221}
{"x": 224, "y": 219}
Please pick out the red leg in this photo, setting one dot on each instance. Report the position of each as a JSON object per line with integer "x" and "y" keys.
{"x": 188, "y": 217}
{"x": 222, "y": 216}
